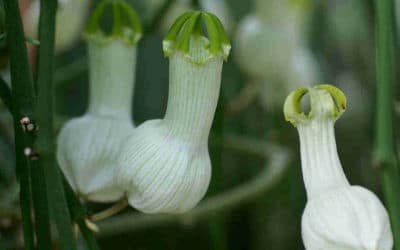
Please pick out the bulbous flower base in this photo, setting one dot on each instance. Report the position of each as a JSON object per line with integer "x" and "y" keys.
{"x": 162, "y": 173}
{"x": 346, "y": 218}
{"x": 87, "y": 153}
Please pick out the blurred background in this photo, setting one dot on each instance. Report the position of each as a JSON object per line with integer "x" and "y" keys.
{"x": 277, "y": 46}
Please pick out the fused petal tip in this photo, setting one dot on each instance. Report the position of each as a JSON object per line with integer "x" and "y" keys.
{"x": 126, "y": 23}
{"x": 190, "y": 24}
{"x": 326, "y": 101}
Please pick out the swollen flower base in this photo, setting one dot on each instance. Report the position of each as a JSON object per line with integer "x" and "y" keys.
{"x": 88, "y": 146}
{"x": 337, "y": 215}
{"x": 165, "y": 164}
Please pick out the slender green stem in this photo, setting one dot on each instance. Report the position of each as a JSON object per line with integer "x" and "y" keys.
{"x": 45, "y": 143}
{"x": 22, "y": 104}
{"x": 384, "y": 138}
{"x": 78, "y": 212}
{"x": 25, "y": 191}
{"x": 220, "y": 203}
{"x": 40, "y": 205}
{"x": 5, "y": 94}
{"x": 88, "y": 235}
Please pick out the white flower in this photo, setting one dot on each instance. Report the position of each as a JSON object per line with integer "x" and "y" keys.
{"x": 165, "y": 164}
{"x": 88, "y": 146}
{"x": 271, "y": 50}
{"x": 337, "y": 215}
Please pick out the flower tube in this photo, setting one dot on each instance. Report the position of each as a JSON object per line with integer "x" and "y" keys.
{"x": 337, "y": 215}
{"x": 88, "y": 146}
{"x": 165, "y": 164}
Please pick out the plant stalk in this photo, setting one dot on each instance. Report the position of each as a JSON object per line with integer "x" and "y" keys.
{"x": 45, "y": 143}
{"x": 385, "y": 154}
{"x": 22, "y": 105}
{"x": 79, "y": 213}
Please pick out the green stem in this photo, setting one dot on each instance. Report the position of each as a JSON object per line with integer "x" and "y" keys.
{"x": 25, "y": 192}
{"x": 78, "y": 212}
{"x": 88, "y": 235}
{"x": 45, "y": 143}
{"x": 384, "y": 138}
{"x": 22, "y": 103}
{"x": 40, "y": 205}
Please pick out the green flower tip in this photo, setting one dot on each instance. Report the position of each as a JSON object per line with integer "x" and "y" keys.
{"x": 126, "y": 23}
{"x": 190, "y": 25}
{"x": 325, "y": 101}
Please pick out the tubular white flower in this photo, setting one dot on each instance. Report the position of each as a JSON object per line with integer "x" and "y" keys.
{"x": 88, "y": 146}
{"x": 165, "y": 164}
{"x": 337, "y": 215}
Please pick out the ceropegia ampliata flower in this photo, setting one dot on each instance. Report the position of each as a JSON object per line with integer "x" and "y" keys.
{"x": 89, "y": 145}
{"x": 271, "y": 48}
{"x": 165, "y": 164}
{"x": 337, "y": 215}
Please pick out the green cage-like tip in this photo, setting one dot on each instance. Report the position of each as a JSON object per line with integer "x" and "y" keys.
{"x": 334, "y": 105}
{"x": 190, "y": 24}
{"x": 126, "y": 24}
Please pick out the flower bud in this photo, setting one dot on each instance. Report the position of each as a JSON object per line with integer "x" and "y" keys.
{"x": 88, "y": 146}
{"x": 165, "y": 164}
{"x": 337, "y": 215}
